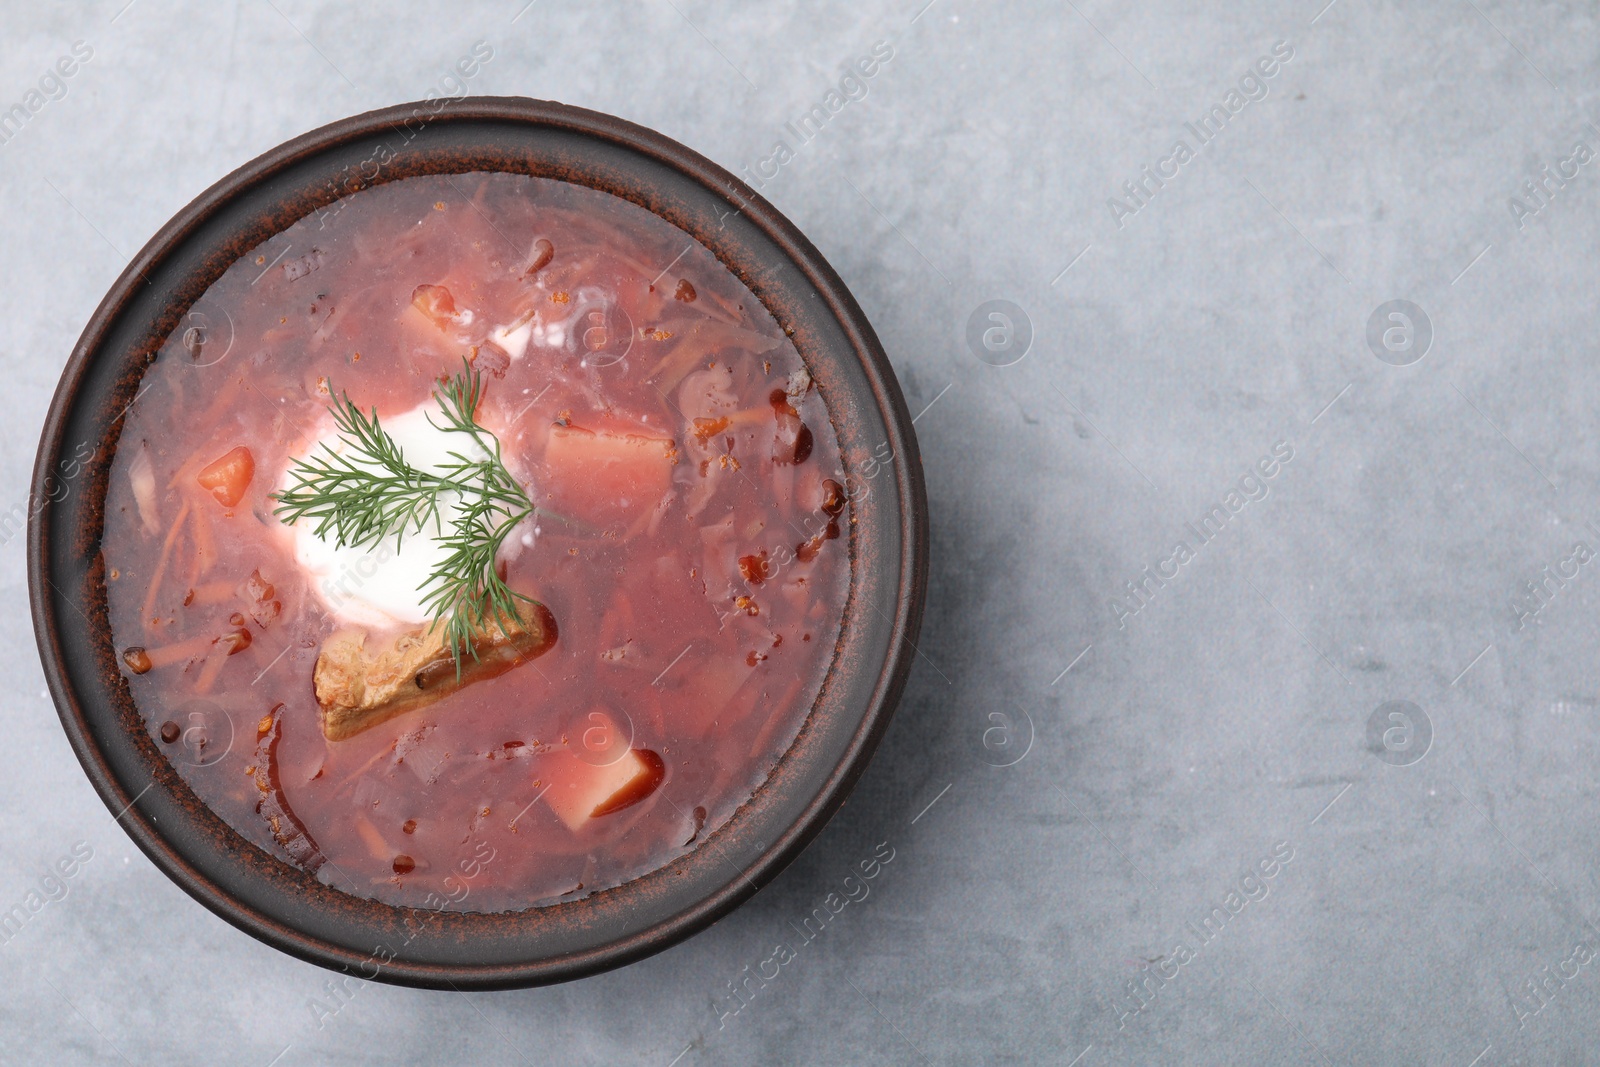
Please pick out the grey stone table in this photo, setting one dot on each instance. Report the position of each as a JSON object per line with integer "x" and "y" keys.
{"x": 1257, "y": 710}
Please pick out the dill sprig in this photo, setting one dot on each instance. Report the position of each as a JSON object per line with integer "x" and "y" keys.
{"x": 468, "y": 591}
{"x": 364, "y": 493}
{"x": 369, "y": 491}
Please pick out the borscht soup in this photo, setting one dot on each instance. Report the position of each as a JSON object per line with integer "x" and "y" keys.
{"x": 477, "y": 542}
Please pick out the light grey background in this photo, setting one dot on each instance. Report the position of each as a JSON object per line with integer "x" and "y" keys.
{"x": 1171, "y": 352}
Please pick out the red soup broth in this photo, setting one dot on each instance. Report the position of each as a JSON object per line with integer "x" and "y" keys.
{"x": 697, "y": 592}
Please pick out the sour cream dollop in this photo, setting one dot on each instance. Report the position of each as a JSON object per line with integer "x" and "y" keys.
{"x": 383, "y": 586}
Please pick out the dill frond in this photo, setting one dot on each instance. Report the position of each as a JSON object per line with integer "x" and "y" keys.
{"x": 368, "y": 491}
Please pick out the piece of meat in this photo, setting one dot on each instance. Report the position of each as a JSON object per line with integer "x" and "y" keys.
{"x": 360, "y": 683}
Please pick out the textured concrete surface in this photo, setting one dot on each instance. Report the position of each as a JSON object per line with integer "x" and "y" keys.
{"x": 1352, "y": 685}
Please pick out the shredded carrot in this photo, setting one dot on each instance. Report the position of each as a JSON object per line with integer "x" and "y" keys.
{"x": 659, "y": 511}
{"x": 365, "y": 767}
{"x": 702, "y": 340}
{"x": 161, "y": 567}
{"x": 209, "y": 593}
{"x": 178, "y": 651}
{"x": 761, "y": 415}
{"x": 205, "y": 546}
{"x": 730, "y": 311}
{"x": 783, "y": 475}
{"x": 223, "y": 399}
{"x": 214, "y": 663}
{"x": 187, "y": 470}
{"x": 636, "y": 264}
{"x": 379, "y": 847}
{"x": 677, "y": 363}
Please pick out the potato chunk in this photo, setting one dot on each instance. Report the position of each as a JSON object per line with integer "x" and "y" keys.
{"x": 360, "y": 683}
{"x": 580, "y": 791}
{"x": 606, "y": 477}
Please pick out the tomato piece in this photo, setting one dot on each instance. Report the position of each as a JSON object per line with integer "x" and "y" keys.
{"x": 228, "y": 476}
{"x": 604, "y": 477}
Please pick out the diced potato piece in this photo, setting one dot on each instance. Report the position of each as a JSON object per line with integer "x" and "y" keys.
{"x": 606, "y": 477}
{"x": 580, "y": 791}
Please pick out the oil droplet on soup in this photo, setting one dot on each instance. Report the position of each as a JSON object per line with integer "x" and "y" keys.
{"x": 688, "y": 559}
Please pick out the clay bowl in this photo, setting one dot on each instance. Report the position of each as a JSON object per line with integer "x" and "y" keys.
{"x": 289, "y": 908}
